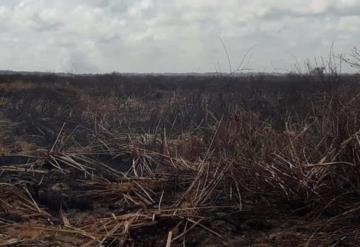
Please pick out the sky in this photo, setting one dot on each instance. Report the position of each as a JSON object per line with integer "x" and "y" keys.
{"x": 144, "y": 36}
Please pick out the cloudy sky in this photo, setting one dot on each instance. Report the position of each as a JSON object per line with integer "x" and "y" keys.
{"x": 84, "y": 36}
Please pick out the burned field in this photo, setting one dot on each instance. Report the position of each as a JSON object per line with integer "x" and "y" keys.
{"x": 116, "y": 160}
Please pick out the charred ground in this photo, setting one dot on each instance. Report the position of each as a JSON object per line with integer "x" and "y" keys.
{"x": 160, "y": 160}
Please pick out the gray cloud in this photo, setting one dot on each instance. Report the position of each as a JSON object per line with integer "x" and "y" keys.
{"x": 171, "y": 36}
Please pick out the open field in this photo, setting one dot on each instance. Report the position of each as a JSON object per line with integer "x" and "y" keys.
{"x": 178, "y": 160}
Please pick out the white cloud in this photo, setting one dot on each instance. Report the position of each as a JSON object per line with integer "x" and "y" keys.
{"x": 169, "y": 35}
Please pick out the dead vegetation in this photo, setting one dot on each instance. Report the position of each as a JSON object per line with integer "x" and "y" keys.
{"x": 247, "y": 161}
